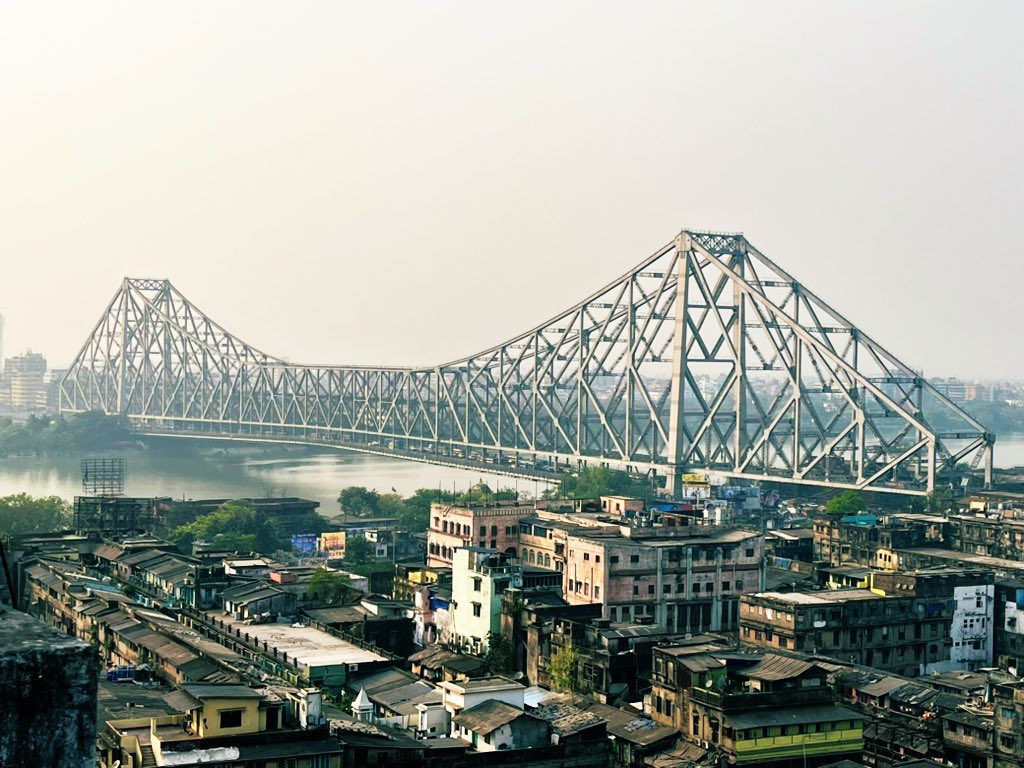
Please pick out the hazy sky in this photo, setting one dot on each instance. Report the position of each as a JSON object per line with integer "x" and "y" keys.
{"x": 405, "y": 183}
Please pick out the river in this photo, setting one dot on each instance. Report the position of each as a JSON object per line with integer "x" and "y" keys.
{"x": 241, "y": 471}
{"x": 264, "y": 470}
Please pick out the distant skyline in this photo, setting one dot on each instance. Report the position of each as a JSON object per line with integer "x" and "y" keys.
{"x": 409, "y": 183}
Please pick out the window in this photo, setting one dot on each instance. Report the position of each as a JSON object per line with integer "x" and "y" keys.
{"x": 231, "y": 718}
{"x": 725, "y": 586}
{"x": 634, "y": 558}
{"x": 494, "y": 530}
{"x": 650, "y": 589}
{"x": 586, "y": 555}
{"x": 476, "y": 609}
{"x": 597, "y": 558}
{"x": 613, "y": 559}
{"x": 666, "y": 588}
{"x": 483, "y": 530}
{"x": 437, "y": 522}
{"x": 749, "y": 552}
{"x": 739, "y": 585}
{"x": 636, "y": 589}
{"x": 476, "y": 584}
{"x": 597, "y": 591}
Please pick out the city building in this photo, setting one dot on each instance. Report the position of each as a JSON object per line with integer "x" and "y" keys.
{"x": 26, "y": 375}
{"x": 611, "y": 659}
{"x": 771, "y": 711}
{"x": 688, "y": 578}
{"x": 490, "y": 526}
{"x": 233, "y": 726}
{"x": 479, "y": 579}
{"x": 910, "y": 623}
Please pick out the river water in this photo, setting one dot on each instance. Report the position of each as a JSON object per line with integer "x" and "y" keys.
{"x": 240, "y": 471}
{"x": 271, "y": 470}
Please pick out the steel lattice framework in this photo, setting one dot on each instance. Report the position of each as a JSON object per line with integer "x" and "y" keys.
{"x": 706, "y": 356}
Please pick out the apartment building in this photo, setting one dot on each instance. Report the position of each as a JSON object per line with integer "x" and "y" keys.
{"x": 491, "y": 526}
{"x": 479, "y": 579}
{"x": 688, "y": 579}
{"x": 233, "y": 726}
{"x": 907, "y": 623}
{"x": 771, "y": 711}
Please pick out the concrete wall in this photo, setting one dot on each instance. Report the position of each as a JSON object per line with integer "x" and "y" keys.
{"x": 47, "y": 696}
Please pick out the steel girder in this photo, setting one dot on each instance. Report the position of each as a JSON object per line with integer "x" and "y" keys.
{"x": 706, "y": 356}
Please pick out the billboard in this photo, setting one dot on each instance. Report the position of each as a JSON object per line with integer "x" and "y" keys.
{"x": 332, "y": 544}
{"x": 305, "y": 544}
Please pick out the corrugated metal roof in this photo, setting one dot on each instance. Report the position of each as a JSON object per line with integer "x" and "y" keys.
{"x": 773, "y": 667}
{"x": 182, "y": 701}
{"x": 488, "y": 716}
{"x": 882, "y": 687}
{"x": 701, "y": 662}
{"x": 567, "y": 719}
{"x": 824, "y": 713}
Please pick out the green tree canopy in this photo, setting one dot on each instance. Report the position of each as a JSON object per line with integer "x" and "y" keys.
{"x": 79, "y": 432}
{"x": 563, "y": 670}
{"x": 233, "y": 525}
{"x": 939, "y": 501}
{"x": 327, "y": 586}
{"x": 591, "y": 482}
{"x": 359, "y": 502}
{"x": 23, "y": 514}
{"x": 499, "y": 654}
{"x": 846, "y": 503}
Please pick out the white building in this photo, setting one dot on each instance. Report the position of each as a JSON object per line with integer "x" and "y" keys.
{"x": 466, "y": 694}
{"x": 479, "y": 579}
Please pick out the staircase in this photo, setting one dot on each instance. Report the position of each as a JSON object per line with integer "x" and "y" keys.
{"x": 148, "y": 758}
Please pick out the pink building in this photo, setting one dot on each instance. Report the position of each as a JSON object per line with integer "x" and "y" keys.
{"x": 494, "y": 526}
{"x": 688, "y": 579}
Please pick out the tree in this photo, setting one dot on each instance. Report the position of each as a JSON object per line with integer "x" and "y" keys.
{"x": 234, "y": 525}
{"x": 391, "y": 505}
{"x": 499, "y": 653}
{"x": 327, "y": 586}
{"x": 358, "y": 550}
{"x": 563, "y": 670}
{"x": 23, "y": 514}
{"x": 846, "y": 503}
{"x": 592, "y": 482}
{"x": 939, "y": 500}
{"x": 359, "y": 502}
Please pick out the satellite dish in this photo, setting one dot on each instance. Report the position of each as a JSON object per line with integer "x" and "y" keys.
{"x": 709, "y": 682}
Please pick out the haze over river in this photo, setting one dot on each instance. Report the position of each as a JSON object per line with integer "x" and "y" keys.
{"x": 215, "y": 472}
{"x": 237, "y": 471}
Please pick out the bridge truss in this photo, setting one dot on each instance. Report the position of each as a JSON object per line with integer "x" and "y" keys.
{"x": 707, "y": 356}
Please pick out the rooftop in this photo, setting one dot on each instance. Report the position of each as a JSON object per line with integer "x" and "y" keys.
{"x": 488, "y": 716}
{"x": 481, "y": 684}
{"x": 306, "y": 645}
{"x": 822, "y": 713}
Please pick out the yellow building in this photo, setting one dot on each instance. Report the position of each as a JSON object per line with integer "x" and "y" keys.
{"x": 227, "y": 725}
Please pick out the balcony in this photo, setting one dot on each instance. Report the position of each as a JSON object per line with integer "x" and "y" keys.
{"x": 743, "y": 701}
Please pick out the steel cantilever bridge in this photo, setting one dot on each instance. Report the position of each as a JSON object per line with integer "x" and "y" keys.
{"x": 707, "y": 356}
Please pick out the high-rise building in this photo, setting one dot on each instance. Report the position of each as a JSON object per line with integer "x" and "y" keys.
{"x": 27, "y": 376}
